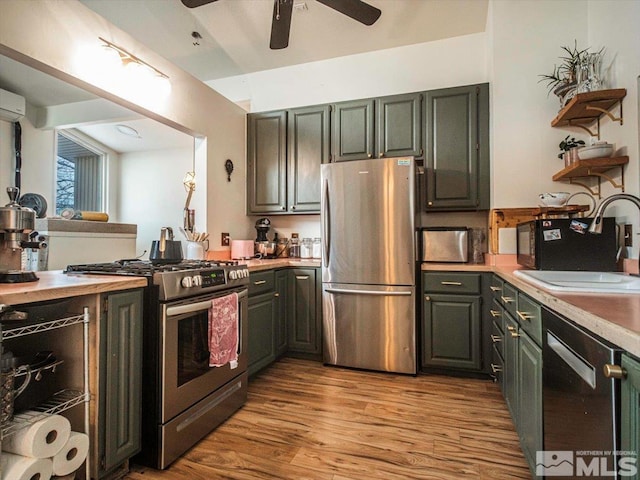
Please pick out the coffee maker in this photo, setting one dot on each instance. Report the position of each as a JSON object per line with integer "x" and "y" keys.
{"x": 16, "y": 223}
{"x": 263, "y": 246}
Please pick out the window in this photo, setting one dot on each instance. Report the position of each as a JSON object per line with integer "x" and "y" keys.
{"x": 79, "y": 174}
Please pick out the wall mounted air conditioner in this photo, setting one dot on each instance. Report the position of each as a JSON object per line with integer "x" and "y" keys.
{"x": 12, "y": 106}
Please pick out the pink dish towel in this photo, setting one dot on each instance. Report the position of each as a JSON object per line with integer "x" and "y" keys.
{"x": 223, "y": 330}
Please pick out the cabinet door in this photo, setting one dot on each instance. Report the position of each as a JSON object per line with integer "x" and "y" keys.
{"x": 451, "y": 335}
{"x": 261, "y": 332}
{"x": 457, "y": 165}
{"x": 266, "y": 162}
{"x": 510, "y": 373}
{"x": 630, "y": 416}
{"x": 530, "y": 397}
{"x": 398, "y": 125}
{"x": 121, "y": 379}
{"x": 352, "y": 126}
{"x": 308, "y": 138}
{"x": 304, "y": 322}
{"x": 282, "y": 280}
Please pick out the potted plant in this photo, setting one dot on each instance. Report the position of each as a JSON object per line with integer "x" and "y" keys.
{"x": 563, "y": 79}
{"x": 568, "y": 149}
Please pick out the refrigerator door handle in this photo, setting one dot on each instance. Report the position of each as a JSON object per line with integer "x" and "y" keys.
{"x": 325, "y": 223}
{"x": 367, "y": 292}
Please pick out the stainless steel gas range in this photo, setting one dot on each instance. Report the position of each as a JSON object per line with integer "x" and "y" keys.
{"x": 183, "y": 397}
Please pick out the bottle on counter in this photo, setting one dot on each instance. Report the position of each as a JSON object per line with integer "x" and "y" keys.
{"x": 317, "y": 248}
{"x": 306, "y": 248}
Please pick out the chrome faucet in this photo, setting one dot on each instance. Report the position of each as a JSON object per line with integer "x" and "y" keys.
{"x": 596, "y": 224}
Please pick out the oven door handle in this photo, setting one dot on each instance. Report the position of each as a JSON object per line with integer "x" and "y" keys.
{"x": 196, "y": 307}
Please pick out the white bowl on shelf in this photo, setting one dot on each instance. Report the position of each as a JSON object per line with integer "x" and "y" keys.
{"x": 599, "y": 150}
{"x": 553, "y": 199}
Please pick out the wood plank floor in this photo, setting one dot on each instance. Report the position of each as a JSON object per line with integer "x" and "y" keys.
{"x": 304, "y": 420}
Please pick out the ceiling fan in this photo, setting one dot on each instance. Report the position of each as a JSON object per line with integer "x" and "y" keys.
{"x": 282, "y": 9}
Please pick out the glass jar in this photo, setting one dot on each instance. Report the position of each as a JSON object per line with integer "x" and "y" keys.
{"x": 306, "y": 248}
{"x": 282, "y": 248}
{"x": 317, "y": 248}
{"x": 294, "y": 248}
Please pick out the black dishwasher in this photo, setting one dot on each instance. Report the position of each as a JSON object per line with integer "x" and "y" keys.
{"x": 581, "y": 405}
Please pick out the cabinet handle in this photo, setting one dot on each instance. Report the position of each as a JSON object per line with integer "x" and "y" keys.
{"x": 369, "y": 155}
{"x": 455, "y": 284}
{"x": 430, "y": 203}
{"x": 524, "y": 315}
{"x": 276, "y": 294}
{"x": 259, "y": 282}
{"x": 510, "y": 328}
{"x": 495, "y": 289}
{"x": 427, "y": 298}
{"x": 614, "y": 371}
{"x": 494, "y": 313}
{"x": 380, "y": 155}
{"x": 515, "y": 335}
{"x": 282, "y": 207}
{"x": 302, "y": 277}
{"x": 495, "y": 339}
{"x": 293, "y": 207}
{"x": 507, "y": 299}
{"x": 496, "y": 368}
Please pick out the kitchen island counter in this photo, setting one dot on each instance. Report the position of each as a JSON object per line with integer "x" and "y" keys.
{"x": 54, "y": 284}
{"x": 614, "y": 317}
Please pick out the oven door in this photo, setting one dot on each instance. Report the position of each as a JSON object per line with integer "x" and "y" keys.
{"x": 185, "y": 372}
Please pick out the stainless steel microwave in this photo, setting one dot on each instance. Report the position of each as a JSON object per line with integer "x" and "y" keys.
{"x": 565, "y": 244}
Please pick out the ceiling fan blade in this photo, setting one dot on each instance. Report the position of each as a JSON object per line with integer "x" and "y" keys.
{"x": 356, "y": 9}
{"x": 196, "y": 3}
{"x": 281, "y": 24}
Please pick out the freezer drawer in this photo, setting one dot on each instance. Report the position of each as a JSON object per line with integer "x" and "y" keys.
{"x": 369, "y": 326}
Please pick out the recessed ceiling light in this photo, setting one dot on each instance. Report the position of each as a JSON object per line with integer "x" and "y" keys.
{"x": 127, "y": 130}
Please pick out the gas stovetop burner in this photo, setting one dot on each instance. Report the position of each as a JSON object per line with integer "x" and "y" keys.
{"x": 145, "y": 267}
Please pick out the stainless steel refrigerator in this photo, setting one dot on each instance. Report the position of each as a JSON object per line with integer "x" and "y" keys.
{"x": 368, "y": 264}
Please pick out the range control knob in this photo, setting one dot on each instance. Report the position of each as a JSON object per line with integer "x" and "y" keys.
{"x": 187, "y": 282}
{"x": 233, "y": 274}
{"x": 197, "y": 280}
{"x": 245, "y": 273}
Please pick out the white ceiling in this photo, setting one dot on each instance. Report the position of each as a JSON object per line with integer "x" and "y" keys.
{"x": 236, "y": 32}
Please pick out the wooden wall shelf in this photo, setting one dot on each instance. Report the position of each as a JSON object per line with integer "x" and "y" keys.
{"x": 585, "y": 108}
{"x": 590, "y": 167}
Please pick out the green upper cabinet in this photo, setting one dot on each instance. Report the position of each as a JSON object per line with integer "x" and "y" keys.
{"x": 456, "y": 124}
{"x": 398, "y": 126}
{"x": 267, "y": 163}
{"x": 308, "y": 139}
{"x": 353, "y": 131}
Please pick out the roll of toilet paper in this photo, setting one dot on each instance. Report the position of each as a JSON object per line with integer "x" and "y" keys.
{"x": 17, "y": 467}
{"x": 74, "y": 452}
{"x": 41, "y": 439}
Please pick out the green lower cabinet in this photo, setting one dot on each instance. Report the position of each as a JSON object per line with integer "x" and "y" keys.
{"x": 630, "y": 416}
{"x": 261, "y": 331}
{"x": 530, "y": 397}
{"x": 451, "y": 332}
{"x": 119, "y": 416}
{"x": 304, "y": 316}
{"x": 282, "y": 282}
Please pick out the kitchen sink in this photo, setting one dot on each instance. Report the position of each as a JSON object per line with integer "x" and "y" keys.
{"x": 585, "y": 282}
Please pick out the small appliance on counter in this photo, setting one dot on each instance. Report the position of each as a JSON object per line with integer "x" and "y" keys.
{"x": 445, "y": 244}
{"x": 263, "y": 246}
{"x": 565, "y": 244}
{"x": 242, "y": 249}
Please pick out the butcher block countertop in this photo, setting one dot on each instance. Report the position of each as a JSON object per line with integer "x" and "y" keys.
{"x": 614, "y": 317}
{"x": 269, "y": 264}
{"x": 54, "y": 284}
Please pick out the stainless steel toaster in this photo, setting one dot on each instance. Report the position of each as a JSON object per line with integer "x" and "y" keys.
{"x": 445, "y": 244}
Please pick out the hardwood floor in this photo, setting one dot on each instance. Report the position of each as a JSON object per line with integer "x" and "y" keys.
{"x": 303, "y": 420}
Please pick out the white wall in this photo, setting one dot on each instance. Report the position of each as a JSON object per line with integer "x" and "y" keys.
{"x": 425, "y": 66}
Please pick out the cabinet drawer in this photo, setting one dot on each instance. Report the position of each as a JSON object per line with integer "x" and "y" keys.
{"x": 497, "y": 337}
{"x": 453, "y": 282}
{"x": 529, "y": 317}
{"x": 261, "y": 282}
{"x": 496, "y": 286}
{"x": 509, "y": 297}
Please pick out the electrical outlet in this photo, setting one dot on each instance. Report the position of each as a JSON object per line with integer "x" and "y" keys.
{"x": 294, "y": 235}
{"x": 628, "y": 235}
{"x": 225, "y": 240}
